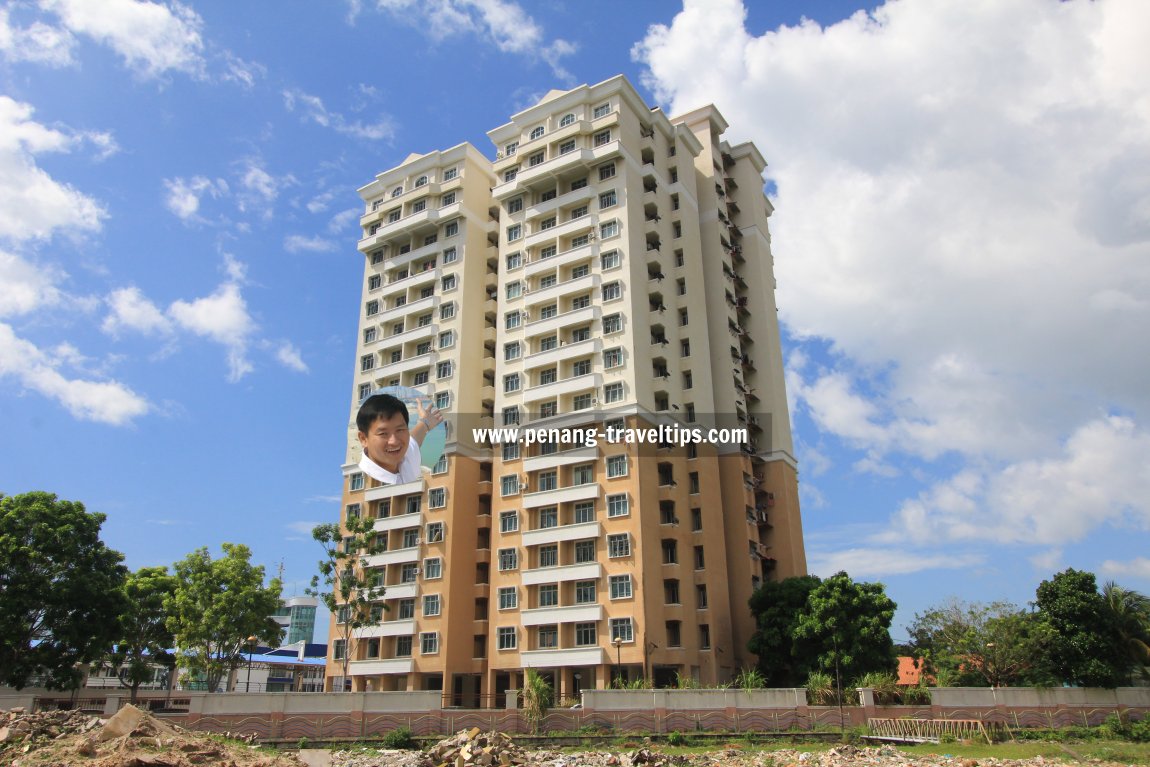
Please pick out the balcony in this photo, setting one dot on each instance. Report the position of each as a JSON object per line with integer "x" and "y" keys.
{"x": 386, "y": 629}
{"x": 582, "y": 225}
{"x": 415, "y": 307}
{"x": 570, "y": 614}
{"x": 392, "y": 491}
{"x": 539, "y": 265}
{"x": 563, "y": 458}
{"x": 562, "y": 533}
{"x": 562, "y": 201}
{"x": 400, "y": 591}
{"x": 553, "y": 293}
{"x": 532, "y": 177}
{"x": 563, "y": 386}
{"x": 398, "y": 522}
{"x": 566, "y": 319}
{"x": 395, "y": 557}
{"x": 409, "y": 364}
{"x": 374, "y": 667}
{"x": 575, "y": 656}
{"x": 418, "y": 333}
{"x": 561, "y": 353}
{"x": 588, "y": 492}
{"x": 583, "y": 572}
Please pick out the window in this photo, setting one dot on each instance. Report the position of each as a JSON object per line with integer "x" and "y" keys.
{"x": 511, "y": 383}
{"x": 580, "y": 241}
{"x": 403, "y": 647}
{"x": 548, "y": 480}
{"x": 364, "y": 391}
{"x": 549, "y": 556}
{"x": 674, "y": 634}
{"x": 446, "y": 339}
{"x": 696, "y": 520}
{"x": 578, "y": 183}
{"x": 704, "y": 636}
{"x": 683, "y": 319}
{"x": 514, "y": 289}
{"x": 511, "y": 351}
{"x": 429, "y": 642}
{"x": 548, "y": 517}
{"x": 421, "y": 349}
{"x": 372, "y": 308}
{"x": 608, "y": 199}
{"x": 449, "y": 282}
{"x": 537, "y": 133}
{"x": 509, "y": 559}
{"x": 671, "y": 591}
{"x": 515, "y": 205}
{"x": 584, "y": 512}
{"x": 355, "y": 482}
{"x": 580, "y": 302}
{"x": 567, "y": 146}
{"x": 700, "y": 559}
{"x": 579, "y": 212}
{"x": 443, "y": 369}
{"x": 617, "y": 466}
{"x": 450, "y": 255}
{"x": 548, "y": 637}
{"x": 510, "y": 416}
{"x": 584, "y": 552}
{"x": 612, "y": 323}
{"x": 585, "y": 634}
{"x": 622, "y": 629}
{"x": 447, "y": 311}
{"x": 510, "y": 173}
{"x": 374, "y": 282}
{"x": 581, "y": 368}
{"x": 549, "y": 595}
{"x": 582, "y": 270}
{"x": 431, "y": 605}
{"x": 410, "y": 538}
{"x": 567, "y": 120}
{"x": 606, "y": 171}
{"x": 440, "y": 466}
{"x": 619, "y": 545}
{"x": 693, "y": 483}
{"x": 612, "y": 291}
{"x": 508, "y": 598}
{"x": 601, "y": 111}
{"x": 548, "y": 195}
{"x": 421, "y": 181}
{"x": 701, "y": 596}
{"x": 581, "y": 402}
{"x": 548, "y": 376}
{"x": 419, "y": 206}
{"x": 511, "y": 148}
{"x": 612, "y": 358}
{"x": 584, "y": 592}
{"x": 620, "y": 586}
{"x": 514, "y": 232}
{"x": 450, "y": 173}
{"x": 583, "y": 475}
{"x": 549, "y": 311}
{"x": 613, "y": 392}
{"x": 420, "y": 378}
{"x": 510, "y": 451}
{"x": 509, "y": 484}
{"x": 508, "y": 521}
{"x": 507, "y": 638}
{"x": 548, "y": 281}
{"x": 432, "y": 568}
{"x": 670, "y": 552}
{"x": 436, "y": 499}
{"x": 339, "y": 649}
{"x": 580, "y": 334}
{"x": 366, "y": 362}
{"x": 609, "y": 229}
{"x": 514, "y": 260}
{"x": 406, "y": 609}
{"x": 535, "y": 159}
{"x": 674, "y": 175}
{"x": 618, "y": 505}
{"x": 425, "y": 320}
{"x": 547, "y": 223}
{"x": 443, "y": 400}
{"x": 413, "y": 502}
{"x": 397, "y": 191}
{"x": 393, "y": 215}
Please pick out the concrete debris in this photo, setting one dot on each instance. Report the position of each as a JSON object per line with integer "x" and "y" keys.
{"x": 130, "y": 738}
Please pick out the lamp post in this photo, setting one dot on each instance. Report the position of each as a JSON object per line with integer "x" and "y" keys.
{"x": 251, "y": 649}
{"x": 618, "y": 642}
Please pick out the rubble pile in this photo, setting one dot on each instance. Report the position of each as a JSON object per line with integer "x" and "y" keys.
{"x": 131, "y": 738}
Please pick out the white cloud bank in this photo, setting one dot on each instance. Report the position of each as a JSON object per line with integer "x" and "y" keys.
{"x": 963, "y": 216}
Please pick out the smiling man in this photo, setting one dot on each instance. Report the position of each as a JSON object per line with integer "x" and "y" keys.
{"x": 390, "y": 444}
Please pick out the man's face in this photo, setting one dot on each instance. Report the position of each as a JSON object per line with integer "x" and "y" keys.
{"x": 386, "y": 442}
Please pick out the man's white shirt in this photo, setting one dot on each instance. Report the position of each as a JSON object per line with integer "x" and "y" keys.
{"x": 409, "y": 470}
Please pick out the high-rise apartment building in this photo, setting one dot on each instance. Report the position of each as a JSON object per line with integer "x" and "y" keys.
{"x": 608, "y": 273}
{"x": 296, "y": 616}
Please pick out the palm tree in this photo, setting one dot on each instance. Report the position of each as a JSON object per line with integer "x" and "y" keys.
{"x": 1131, "y": 613}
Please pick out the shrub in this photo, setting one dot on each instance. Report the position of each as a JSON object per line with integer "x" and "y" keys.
{"x": 820, "y": 689}
{"x": 676, "y": 738}
{"x": 750, "y": 679}
{"x": 400, "y": 737}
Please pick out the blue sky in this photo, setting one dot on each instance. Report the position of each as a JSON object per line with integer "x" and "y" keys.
{"x": 961, "y": 237}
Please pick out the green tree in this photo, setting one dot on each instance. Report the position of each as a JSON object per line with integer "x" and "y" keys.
{"x": 537, "y": 699}
{"x": 216, "y": 605}
{"x": 1083, "y": 645}
{"x": 347, "y": 588}
{"x": 776, "y": 606}
{"x": 59, "y": 590}
{"x": 1130, "y": 611}
{"x": 973, "y": 644}
{"x": 145, "y": 639}
{"x": 848, "y": 624}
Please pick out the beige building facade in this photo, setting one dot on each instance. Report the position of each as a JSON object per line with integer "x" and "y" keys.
{"x": 602, "y": 295}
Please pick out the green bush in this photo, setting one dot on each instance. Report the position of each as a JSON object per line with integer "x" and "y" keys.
{"x": 676, "y": 738}
{"x": 400, "y": 737}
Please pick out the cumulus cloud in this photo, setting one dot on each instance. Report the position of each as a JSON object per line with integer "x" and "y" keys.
{"x": 25, "y": 286}
{"x": 963, "y": 221}
{"x": 289, "y": 356}
{"x": 1138, "y": 568}
{"x": 38, "y": 43}
{"x": 884, "y": 561}
{"x": 129, "y": 309}
{"x": 296, "y": 243}
{"x": 221, "y": 317}
{"x": 183, "y": 195}
{"x": 152, "y": 38}
{"x": 506, "y": 25}
{"x": 108, "y": 402}
{"x": 312, "y": 109}
{"x": 30, "y": 199}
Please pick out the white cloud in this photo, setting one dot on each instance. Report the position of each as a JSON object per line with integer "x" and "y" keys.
{"x": 131, "y": 310}
{"x": 108, "y": 402}
{"x": 882, "y": 561}
{"x": 259, "y": 189}
{"x": 221, "y": 317}
{"x": 38, "y": 43}
{"x": 505, "y": 24}
{"x": 342, "y": 220}
{"x": 30, "y": 199}
{"x": 963, "y": 219}
{"x": 296, "y": 243}
{"x": 320, "y": 202}
{"x": 289, "y": 356}
{"x": 1138, "y": 567}
{"x": 153, "y": 38}
{"x": 183, "y": 195}
{"x": 303, "y": 528}
{"x": 313, "y": 109}
{"x": 25, "y": 287}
